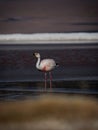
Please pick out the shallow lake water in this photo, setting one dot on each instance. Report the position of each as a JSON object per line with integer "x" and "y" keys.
{"x": 77, "y": 71}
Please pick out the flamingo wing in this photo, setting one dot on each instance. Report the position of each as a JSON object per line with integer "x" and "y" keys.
{"x": 47, "y": 64}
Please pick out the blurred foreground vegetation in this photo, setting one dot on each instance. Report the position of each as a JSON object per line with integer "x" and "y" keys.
{"x": 50, "y": 113}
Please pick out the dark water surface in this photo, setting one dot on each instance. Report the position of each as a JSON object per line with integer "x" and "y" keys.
{"x": 77, "y": 71}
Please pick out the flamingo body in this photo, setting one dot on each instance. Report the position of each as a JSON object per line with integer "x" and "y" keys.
{"x": 47, "y": 65}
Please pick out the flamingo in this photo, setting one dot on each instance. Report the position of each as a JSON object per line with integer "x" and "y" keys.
{"x": 45, "y": 65}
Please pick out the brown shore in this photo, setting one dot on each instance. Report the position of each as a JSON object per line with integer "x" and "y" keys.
{"x": 50, "y": 113}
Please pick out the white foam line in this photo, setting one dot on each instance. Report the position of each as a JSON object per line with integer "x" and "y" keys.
{"x": 49, "y": 38}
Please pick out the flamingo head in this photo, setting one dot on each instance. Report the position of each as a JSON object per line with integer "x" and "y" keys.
{"x": 37, "y": 55}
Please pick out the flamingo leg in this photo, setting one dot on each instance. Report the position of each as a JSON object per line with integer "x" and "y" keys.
{"x": 45, "y": 81}
{"x": 50, "y": 80}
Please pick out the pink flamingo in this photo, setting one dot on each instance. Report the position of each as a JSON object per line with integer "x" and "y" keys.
{"x": 45, "y": 65}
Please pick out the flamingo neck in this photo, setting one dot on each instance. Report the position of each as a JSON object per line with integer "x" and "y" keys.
{"x": 38, "y": 63}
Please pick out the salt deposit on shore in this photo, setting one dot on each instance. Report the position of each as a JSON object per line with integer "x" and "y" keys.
{"x": 49, "y": 38}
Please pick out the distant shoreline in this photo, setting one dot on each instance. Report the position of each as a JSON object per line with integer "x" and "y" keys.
{"x": 47, "y": 42}
{"x": 45, "y": 38}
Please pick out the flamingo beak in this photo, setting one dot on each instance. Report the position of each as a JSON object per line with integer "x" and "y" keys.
{"x": 33, "y": 54}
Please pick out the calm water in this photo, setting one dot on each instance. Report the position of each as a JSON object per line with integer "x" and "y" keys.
{"x": 77, "y": 71}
